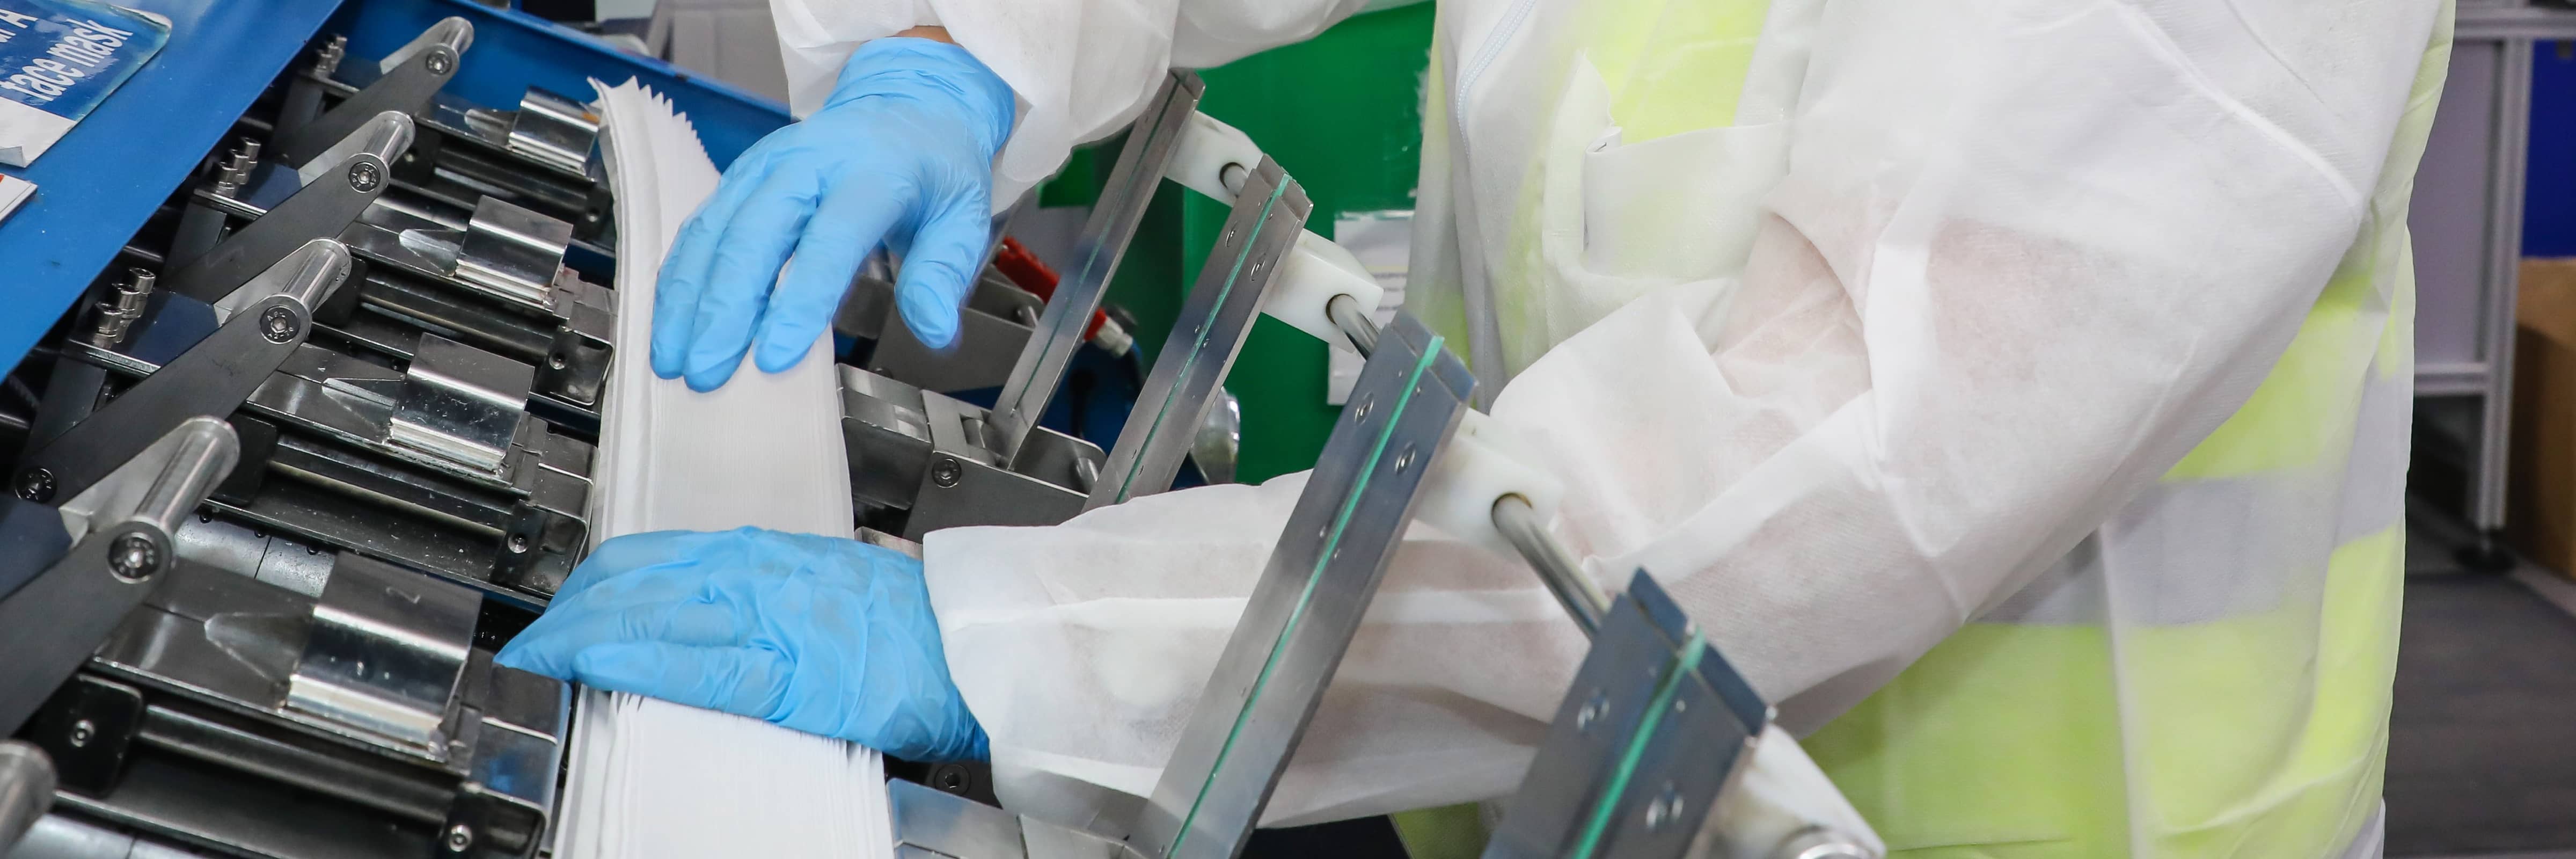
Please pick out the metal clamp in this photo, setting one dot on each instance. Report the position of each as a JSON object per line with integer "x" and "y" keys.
{"x": 329, "y": 200}
{"x": 409, "y": 77}
{"x": 460, "y": 404}
{"x": 386, "y": 648}
{"x": 122, "y": 525}
{"x": 263, "y": 322}
{"x": 553, "y": 130}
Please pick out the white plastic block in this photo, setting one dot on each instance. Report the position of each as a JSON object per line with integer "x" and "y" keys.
{"x": 1205, "y": 149}
{"x": 1317, "y": 271}
{"x": 1483, "y": 462}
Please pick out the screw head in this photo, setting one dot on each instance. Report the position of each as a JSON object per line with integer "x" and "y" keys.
{"x": 950, "y": 777}
{"x": 134, "y": 557}
{"x": 1404, "y": 460}
{"x": 81, "y": 732}
{"x": 459, "y": 837}
{"x": 365, "y": 176}
{"x": 1666, "y": 808}
{"x": 1592, "y": 711}
{"x": 946, "y": 472}
{"x": 556, "y": 361}
{"x": 278, "y": 324}
{"x": 439, "y": 61}
{"x": 518, "y": 544}
{"x": 36, "y": 484}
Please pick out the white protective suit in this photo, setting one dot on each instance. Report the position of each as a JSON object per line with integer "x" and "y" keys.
{"x": 1930, "y": 313}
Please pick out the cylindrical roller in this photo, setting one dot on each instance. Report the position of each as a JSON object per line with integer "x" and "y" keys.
{"x": 207, "y": 449}
{"x": 26, "y": 790}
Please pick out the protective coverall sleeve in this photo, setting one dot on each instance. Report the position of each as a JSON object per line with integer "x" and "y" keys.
{"x": 1081, "y": 68}
{"x": 2024, "y": 257}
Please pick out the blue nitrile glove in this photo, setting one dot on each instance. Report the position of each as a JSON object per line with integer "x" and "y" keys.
{"x": 825, "y": 635}
{"x": 902, "y": 153}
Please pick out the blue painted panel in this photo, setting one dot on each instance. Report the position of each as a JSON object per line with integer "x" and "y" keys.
{"x": 2549, "y": 183}
{"x": 98, "y": 184}
{"x": 514, "y": 50}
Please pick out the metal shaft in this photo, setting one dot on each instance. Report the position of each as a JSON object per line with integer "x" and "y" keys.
{"x": 1576, "y": 591}
{"x": 1346, "y": 315}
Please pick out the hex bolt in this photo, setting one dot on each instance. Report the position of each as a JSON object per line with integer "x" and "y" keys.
{"x": 81, "y": 732}
{"x": 277, "y": 324}
{"x": 36, "y": 484}
{"x": 946, "y": 472}
{"x": 134, "y": 557}
{"x": 364, "y": 176}
{"x": 459, "y": 837}
{"x": 331, "y": 54}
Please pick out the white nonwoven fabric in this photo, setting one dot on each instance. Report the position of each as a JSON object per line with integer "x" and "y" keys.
{"x": 648, "y": 777}
{"x": 2008, "y": 263}
{"x": 1081, "y": 68}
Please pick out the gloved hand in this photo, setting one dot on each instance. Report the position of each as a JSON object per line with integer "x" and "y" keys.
{"x": 828, "y": 636}
{"x": 901, "y": 153}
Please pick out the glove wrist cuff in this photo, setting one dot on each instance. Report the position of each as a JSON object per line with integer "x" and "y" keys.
{"x": 927, "y": 69}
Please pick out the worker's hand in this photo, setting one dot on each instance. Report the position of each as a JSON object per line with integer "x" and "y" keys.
{"x": 902, "y": 154}
{"x": 825, "y": 635}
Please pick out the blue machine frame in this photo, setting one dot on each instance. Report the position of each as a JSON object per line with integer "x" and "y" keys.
{"x": 99, "y": 184}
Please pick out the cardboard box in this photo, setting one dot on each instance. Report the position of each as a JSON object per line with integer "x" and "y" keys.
{"x": 2540, "y": 502}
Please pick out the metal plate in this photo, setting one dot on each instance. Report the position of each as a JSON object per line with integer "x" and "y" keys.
{"x": 1103, "y": 242}
{"x": 1263, "y": 226}
{"x": 1308, "y": 604}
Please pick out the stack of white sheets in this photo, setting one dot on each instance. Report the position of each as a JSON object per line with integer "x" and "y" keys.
{"x": 650, "y": 778}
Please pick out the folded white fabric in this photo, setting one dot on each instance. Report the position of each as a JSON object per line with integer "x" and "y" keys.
{"x": 651, "y": 778}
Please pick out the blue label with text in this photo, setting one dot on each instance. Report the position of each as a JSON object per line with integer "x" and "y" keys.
{"x": 64, "y": 56}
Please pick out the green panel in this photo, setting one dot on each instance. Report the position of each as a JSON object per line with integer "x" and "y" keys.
{"x": 1343, "y": 114}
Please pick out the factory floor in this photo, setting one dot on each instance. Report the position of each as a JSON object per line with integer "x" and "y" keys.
{"x": 2482, "y": 736}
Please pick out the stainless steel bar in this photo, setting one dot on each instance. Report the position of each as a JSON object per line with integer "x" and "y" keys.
{"x": 1300, "y": 618}
{"x": 1565, "y": 578}
{"x": 1345, "y": 313}
{"x": 1213, "y": 323}
{"x": 1114, "y": 218}
{"x": 2511, "y": 141}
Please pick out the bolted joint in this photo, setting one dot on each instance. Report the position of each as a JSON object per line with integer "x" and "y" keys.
{"x": 279, "y": 324}
{"x": 365, "y": 176}
{"x": 438, "y": 61}
{"x": 134, "y": 557}
{"x": 946, "y": 472}
{"x": 459, "y": 838}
